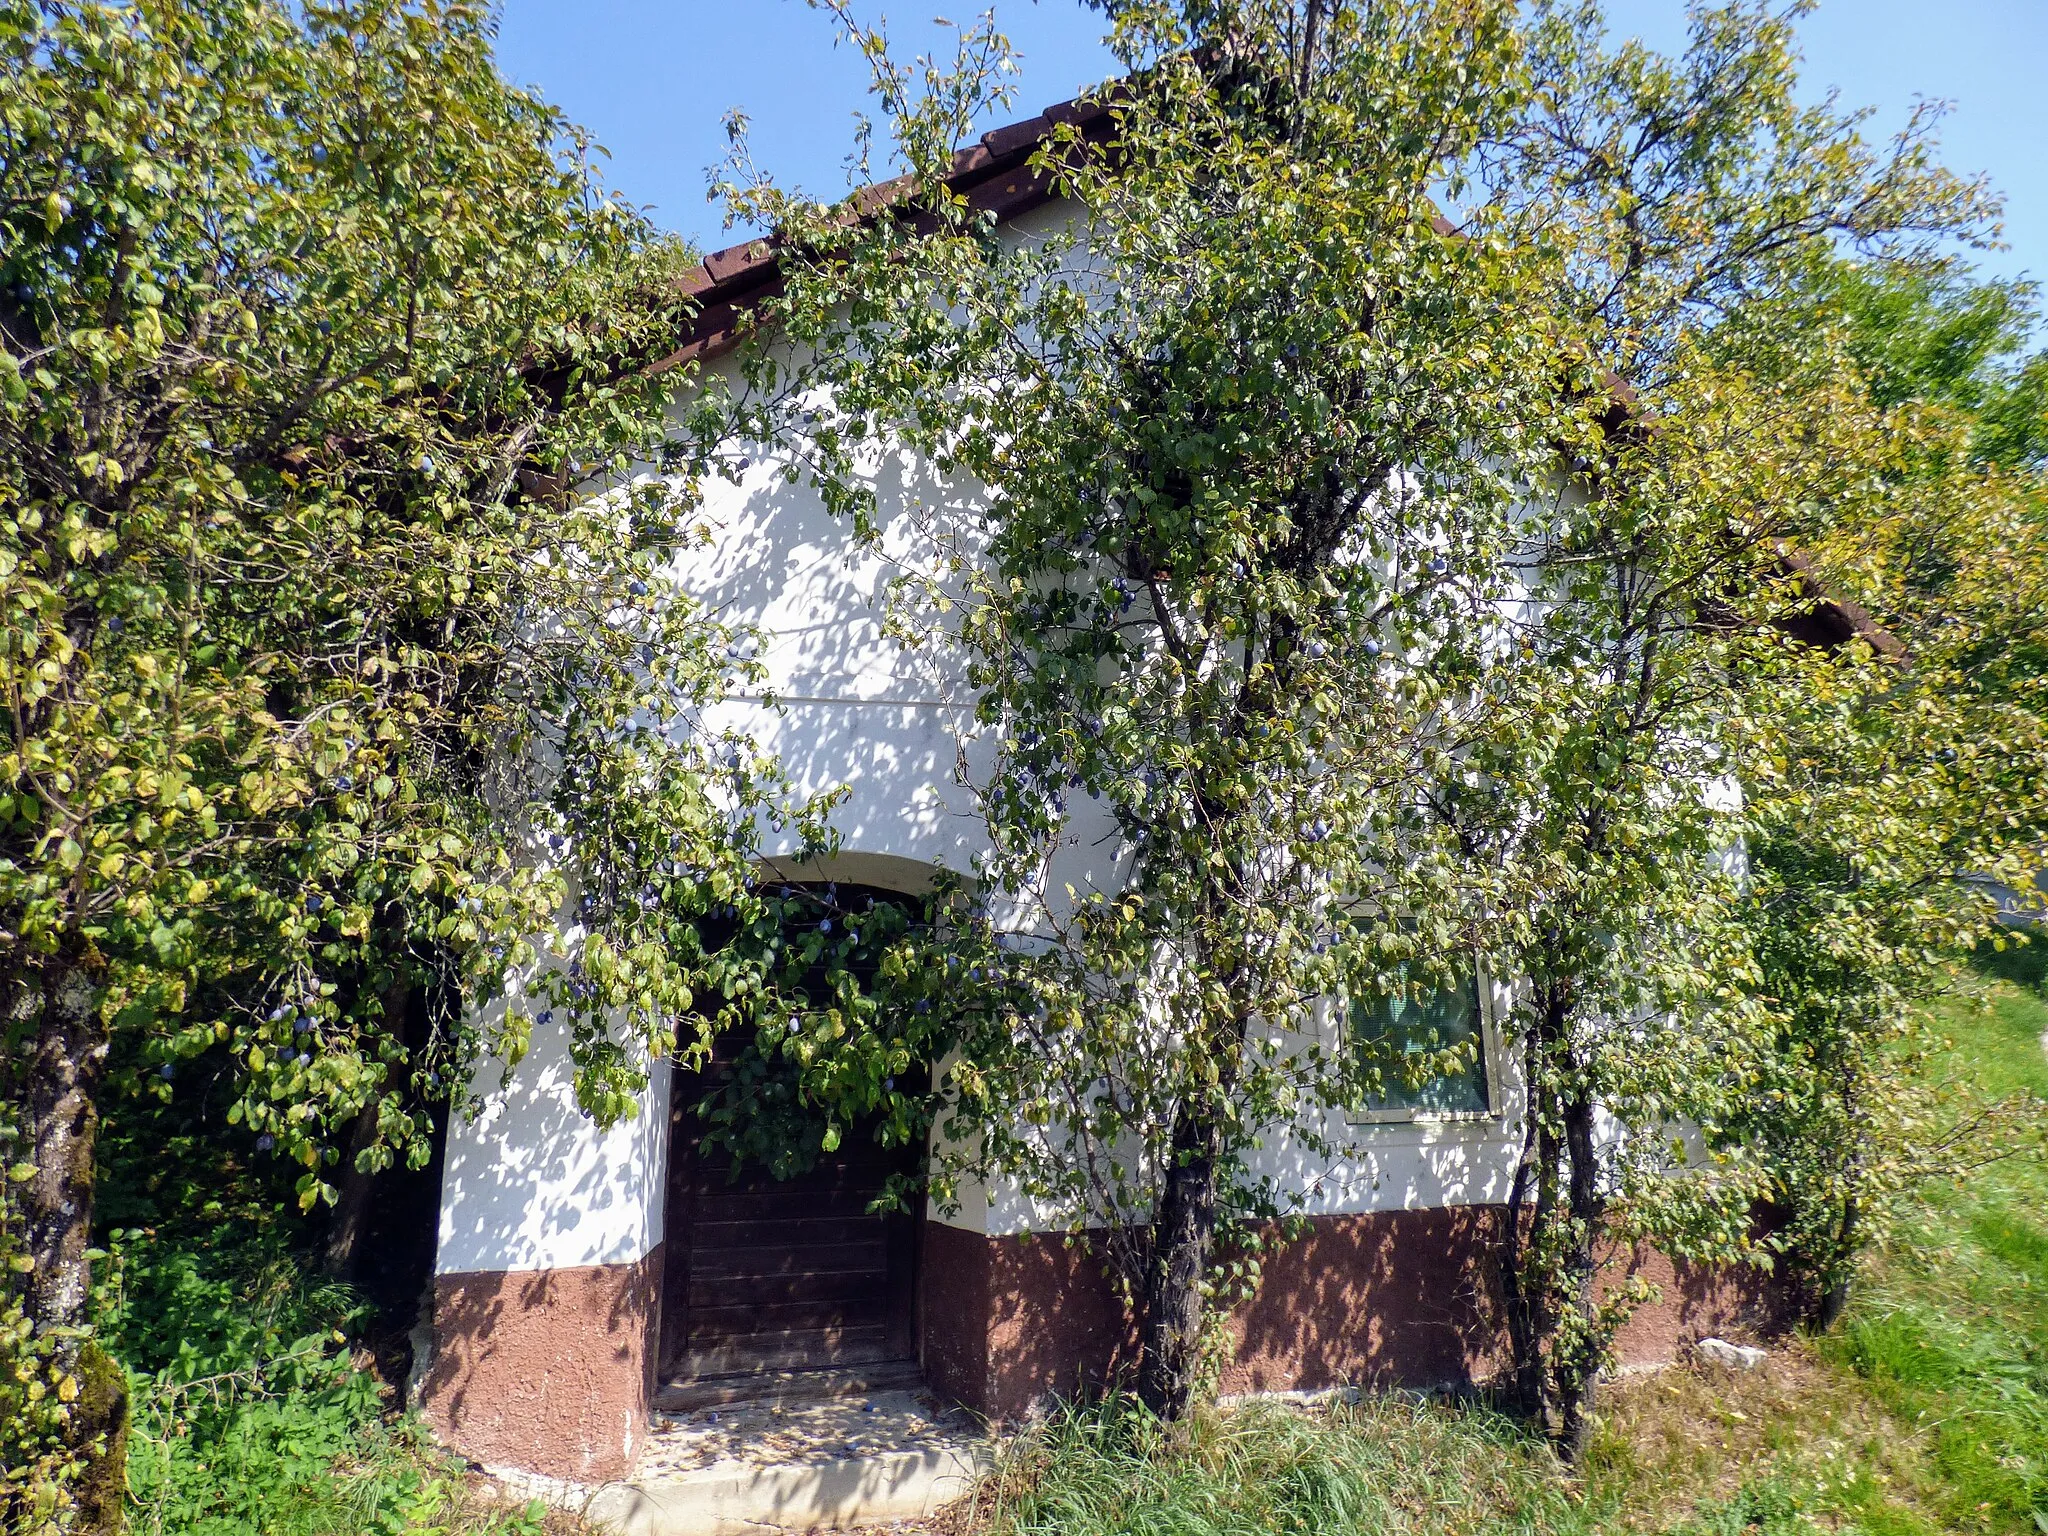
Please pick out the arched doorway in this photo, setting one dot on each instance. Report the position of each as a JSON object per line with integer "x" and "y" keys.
{"x": 776, "y": 1273}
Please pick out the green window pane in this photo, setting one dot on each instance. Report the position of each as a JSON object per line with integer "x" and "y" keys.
{"x": 1406, "y": 1035}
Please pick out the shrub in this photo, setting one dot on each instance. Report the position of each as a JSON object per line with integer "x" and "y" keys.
{"x": 254, "y": 1407}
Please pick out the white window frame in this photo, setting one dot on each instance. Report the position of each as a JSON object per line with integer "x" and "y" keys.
{"x": 1489, "y": 1063}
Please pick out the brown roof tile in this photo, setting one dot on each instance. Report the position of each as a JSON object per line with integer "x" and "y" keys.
{"x": 991, "y": 175}
{"x": 1003, "y": 141}
{"x": 966, "y": 162}
{"x": 734, "y": 259}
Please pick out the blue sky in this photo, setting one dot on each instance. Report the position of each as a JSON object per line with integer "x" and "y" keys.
{"x": 653, "y": 80}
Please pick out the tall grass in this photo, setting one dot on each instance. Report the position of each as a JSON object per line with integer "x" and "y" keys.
{"x": 251, "y": 1413}
{"x": 254, "y": 1412}
{"x": 1389, "y": 1465}
{"x": 1951, "y": 1334}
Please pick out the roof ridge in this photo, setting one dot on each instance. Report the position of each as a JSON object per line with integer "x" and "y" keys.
{"x": 728, "y": 281}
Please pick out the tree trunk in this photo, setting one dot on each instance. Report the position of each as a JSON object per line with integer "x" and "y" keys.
{"x": 66, "y": 1068}
{"x": 1555, "y": 1213}
{"x": 1528, "y": 1217}
{"x": 68, "y": 1064}
{"x": 1834, "y": 1299}
{"x": 352, "y": 1201}
{"x": 1839, "y": 1263}
{"x": 1577, "y": 1369}
{"x": 351, "y": 1215}
{"x": 1182, "y": 1230}
{"x": 1539, "y": 1208}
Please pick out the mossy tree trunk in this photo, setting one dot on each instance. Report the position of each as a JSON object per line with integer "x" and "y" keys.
{"x": 100, "y": 1417}
{"x": 67, "y": 1065}
{"x": 66, "y": 1070}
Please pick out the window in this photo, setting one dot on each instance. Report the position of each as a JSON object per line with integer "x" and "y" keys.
{"x": 1407, "y": 1035}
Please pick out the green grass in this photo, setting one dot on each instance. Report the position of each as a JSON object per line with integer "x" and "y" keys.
{"x": 1926, "y": 1412}
{"x": 1951, "y": 1335}
{"x": 251, "y": 1414}
{"x": 1383, "y": 1465}
{"x": 1787, "y": 1452}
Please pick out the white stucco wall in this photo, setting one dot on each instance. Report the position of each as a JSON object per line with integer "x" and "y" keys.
{"x": 1389, "y": 1165}
{"x": 532, "y": 1183}
{"x": 853, "y": 708}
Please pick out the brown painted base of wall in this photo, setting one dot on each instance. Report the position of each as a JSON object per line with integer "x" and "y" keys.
{"x": 1387, "y": 1298}
{"x": 546, "y": 1370}
{"x": 552, "y": 1370}
{"x": 1009, "y": 1321}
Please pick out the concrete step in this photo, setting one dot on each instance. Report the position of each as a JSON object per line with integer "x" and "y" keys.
{"x": 687, "y": 1395}
{"x": 830, "y": 1460}
{"x": 732, "y": 1499}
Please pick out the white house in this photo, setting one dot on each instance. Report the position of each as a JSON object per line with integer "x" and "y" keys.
{"x": 585, "y": 1275}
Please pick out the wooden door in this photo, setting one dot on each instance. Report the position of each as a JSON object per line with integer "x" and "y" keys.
{"x": 782, "y": 1275}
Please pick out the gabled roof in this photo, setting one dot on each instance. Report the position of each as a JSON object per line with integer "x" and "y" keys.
{"x": 993, "y": 176}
